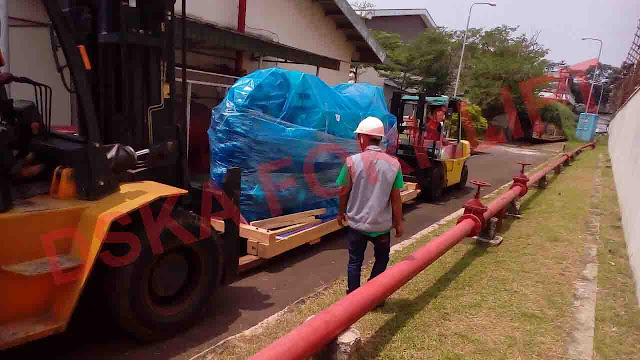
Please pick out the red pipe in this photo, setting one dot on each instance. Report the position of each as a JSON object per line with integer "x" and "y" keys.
{"x": 242, "y": 16}
{"x": 533, "y": 179}
{"x": 562, "y": 160}
{"x": 501, "y": 202}
{"x": 311, "y": 336}
{"x": 331, "y": 322}
{"x": 242, "y": 27}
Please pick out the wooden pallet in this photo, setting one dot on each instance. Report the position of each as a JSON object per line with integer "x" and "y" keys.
{"x": 271, "y": 237}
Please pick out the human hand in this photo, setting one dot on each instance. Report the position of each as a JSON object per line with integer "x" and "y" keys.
{"x": 399, "y": 229}
{"x": 6, "y": 78}
{"x": 342, "y": 219}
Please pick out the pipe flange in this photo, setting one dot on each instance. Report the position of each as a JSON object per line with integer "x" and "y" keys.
{"x": 524, "y": 189}
{"x": 479, "y": 223}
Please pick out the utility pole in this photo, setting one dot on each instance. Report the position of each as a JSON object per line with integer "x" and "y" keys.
{"x": 464, "y": 43}
{"x": 595, "y": 72}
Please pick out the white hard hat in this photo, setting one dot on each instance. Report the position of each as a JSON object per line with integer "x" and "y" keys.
{"x": 371, "y": 126}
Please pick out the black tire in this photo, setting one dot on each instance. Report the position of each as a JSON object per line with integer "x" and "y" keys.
{"x": 159, "y": 295}
{"x": 463, "y": 178}
{"x": 435, "y": 182}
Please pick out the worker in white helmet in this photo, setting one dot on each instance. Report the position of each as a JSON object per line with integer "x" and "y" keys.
{"x": 370, "y": 201}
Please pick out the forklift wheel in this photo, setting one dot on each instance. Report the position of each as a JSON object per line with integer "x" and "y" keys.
{"x": 463, "y": 178}
{"x": 159, "y": 295}
{"x": 435, "y": 185}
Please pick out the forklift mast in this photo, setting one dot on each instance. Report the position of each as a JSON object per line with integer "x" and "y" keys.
{"x": 121, "y": 59}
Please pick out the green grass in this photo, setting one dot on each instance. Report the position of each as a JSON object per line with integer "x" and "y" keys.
{"x": 508, "y": 302}
{"x": 617, "y": 333}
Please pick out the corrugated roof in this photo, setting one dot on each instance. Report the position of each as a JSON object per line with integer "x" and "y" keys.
{"x": 585, "y": 65}
{"x": 423, "y": 13}
{"x": 356, "y": 30}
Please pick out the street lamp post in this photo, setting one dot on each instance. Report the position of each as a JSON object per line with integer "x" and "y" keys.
{"x": 464, "y": 43}
{"x": 600, "y": 101}
{"x": 595, "y": 72}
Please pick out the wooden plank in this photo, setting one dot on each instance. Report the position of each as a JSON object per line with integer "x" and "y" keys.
{"x": 258, "y": 234}
{"x": 247, "y": 231}
{"x": 252, "y": 247}
{"x": 218, "y": 225}
{"x": 287, "y": 229}
{"x": 249, "y": 262}
{"x": 409, "y": 195}
{"x": 295, "y": 240}
{"x": 409, "y": 186}
{"x": 262, "y": 244}
{"x": 287, "y": 220}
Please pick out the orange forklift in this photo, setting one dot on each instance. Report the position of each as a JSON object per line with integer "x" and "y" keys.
{"x": 111, "y": 204}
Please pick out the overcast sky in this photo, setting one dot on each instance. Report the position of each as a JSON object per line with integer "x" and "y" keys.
{"x": 562, "y": 22}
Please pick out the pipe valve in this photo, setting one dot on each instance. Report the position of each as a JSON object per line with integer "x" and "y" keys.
{"x": 474, "y": 209}
{"x": 521, "y": 180}
{"x": 480, "y": 185}
{"x": 524, "y": 165}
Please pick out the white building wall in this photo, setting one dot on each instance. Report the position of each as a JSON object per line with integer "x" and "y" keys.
{"x": 298, "y": 23}
{"x": 624, "y": 132}
{"x": 30, "y": 55}
{"x": 371, "y": 76}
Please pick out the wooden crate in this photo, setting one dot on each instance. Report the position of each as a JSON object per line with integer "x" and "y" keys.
{"x": 271, "y": 237}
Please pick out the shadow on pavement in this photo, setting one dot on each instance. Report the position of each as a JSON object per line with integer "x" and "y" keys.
{"x": 405, "y": 310}
{"x": 91, "y": 327}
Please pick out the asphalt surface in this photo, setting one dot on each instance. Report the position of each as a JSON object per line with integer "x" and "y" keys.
{"x": 264, "y": 291}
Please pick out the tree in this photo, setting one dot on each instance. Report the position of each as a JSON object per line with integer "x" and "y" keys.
{"x": 401, "y": 62}
{"x": 434, "y": 61}
{"x": 423, "y": 64}
{"x": 605, "y": 81}
{"x": 501, "y": 59}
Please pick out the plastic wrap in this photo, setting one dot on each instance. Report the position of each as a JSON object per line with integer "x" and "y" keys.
{"x": 290, "y": 132}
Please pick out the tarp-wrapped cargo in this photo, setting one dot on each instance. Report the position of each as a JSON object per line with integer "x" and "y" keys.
{"x": 290, "y": 133}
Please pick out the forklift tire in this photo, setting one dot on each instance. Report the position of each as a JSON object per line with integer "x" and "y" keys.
{"x": 435, "y": 184}
{"x": 158, "y": 295}
{"x": 463, "y": 178}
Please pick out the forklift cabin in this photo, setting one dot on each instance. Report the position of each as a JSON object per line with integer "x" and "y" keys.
{"x": 427, "y": 156}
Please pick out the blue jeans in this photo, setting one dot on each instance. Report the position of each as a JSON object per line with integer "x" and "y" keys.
{"x": 357, "y": 246}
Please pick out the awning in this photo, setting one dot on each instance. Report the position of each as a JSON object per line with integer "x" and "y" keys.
{"x": 204, "y": 36}
{"x": 347, "y": 20}
{"x": 431, "y": 100}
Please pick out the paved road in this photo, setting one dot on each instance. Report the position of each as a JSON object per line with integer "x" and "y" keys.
{"x": 269, "y": 289}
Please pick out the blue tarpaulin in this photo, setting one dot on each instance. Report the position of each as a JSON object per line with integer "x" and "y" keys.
{"x": 289, "y": 132}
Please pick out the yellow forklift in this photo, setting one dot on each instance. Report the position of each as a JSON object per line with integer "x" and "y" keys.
{"x": 429, "y": 158}
{"x": 107, "y": 204}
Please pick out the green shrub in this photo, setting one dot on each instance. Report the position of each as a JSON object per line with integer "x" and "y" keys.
{"x": 480, "y": 123}
{"x": 562, "y": 116}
